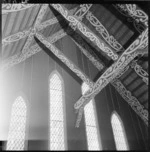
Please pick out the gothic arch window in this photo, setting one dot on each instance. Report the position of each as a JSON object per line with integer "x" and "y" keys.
{"x": 119, "y": 133}
{"x": 57, "y": 122}
{"x": 92, "y": 131}
{"x": 17, "y": 128}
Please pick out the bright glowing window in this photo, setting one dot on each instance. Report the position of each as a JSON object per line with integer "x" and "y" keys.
{"x": 16, "y": 135}
{"x": 119, "y": 133}
{"x": 57, "y": 138}
{"x": 91, "y": 124}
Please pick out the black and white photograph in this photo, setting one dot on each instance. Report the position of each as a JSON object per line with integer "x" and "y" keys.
{"x": 74, "y": 77}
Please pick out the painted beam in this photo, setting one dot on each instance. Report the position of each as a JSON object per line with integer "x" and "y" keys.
{"x": 16, "y": 59}
{"x": 140, "y": 71}
{"x": 138, "y": 17}
{"x": 9, "y": 8}
{"x": 103, "y": 32}
{"x": 128, "y": 55}
{"x": 22, "y": 34}
{"x": 85, "y": 31}
{"x": 81, "y": 12}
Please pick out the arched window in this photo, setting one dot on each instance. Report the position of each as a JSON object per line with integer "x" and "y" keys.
{"x": 119, "y": 133}
{"x": 16, "y": 135}
{"x": 57, "y": 132}
{"x": 92, "y": 131}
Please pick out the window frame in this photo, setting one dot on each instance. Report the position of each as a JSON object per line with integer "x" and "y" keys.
{"x": 123, "y": 130}
{"x": 25, "y": 99}
{"x": 64, "y": 108}
{"x": 96, "y": 122}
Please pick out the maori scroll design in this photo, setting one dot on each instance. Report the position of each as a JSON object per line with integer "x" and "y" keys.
{"x": 64, "y": 59}
{"x": 30, "y": 51}
{"x": 113, "y": 71}
{"x": 138, "y": 69}
{"x": 135, "y": 16}
{"x": 122, "y": 71}
{"x": 28, "y": 42}
{"x": 33, "y": 30}
{"x": 132, "y": 101}
{"x": 128, "y": 55}
{"x": 7, "y": 8}
{"x": 15, "y": 37}
{"x": 84, "y": 8}
{"x": 23, "y": 34}
{"x": 89, "y": 34}
{"x": 104, "y": 33}
{"x": 26, "y": 33}
{"x": 41, "y": 14}
{"x": 47, "y": 23}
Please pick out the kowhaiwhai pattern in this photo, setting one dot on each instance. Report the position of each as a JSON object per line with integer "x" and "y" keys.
{"x": 137, "y": 14}
{"x": 7, "y": 8}
{"x": 112, "y": 71}
{"x": 85, "y": 31}
{"x": 15, "y": 37}
{"x": 139, "y": 70}
{"x": 84, "y": 8}
{"x": 21, "y": 35}
{"x": 130, "y": 11}
{"x": 41, "y": 14}
{"x": 30, "y": 51}
{"x": 103, "y": 32}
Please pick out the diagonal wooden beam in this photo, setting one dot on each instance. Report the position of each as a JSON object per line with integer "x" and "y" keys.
{"x": 140, "y": 71}
{"x": 41, "y": 14}
{"x": 85, "y": 31}
{"x": 137, "y": 16}
{"x": 22, "y": 34}
{"x": 126, "y": 95}
{"x": 131, "y": 100}
{"x": 64, "y": 59}
{"x": 86, "y": 50}
{"x": 117, "y": 67}
{"x": 39, "y": 26}
{"x": 80, "y": 13}
{"x": 8, "y": 63}
{"x": 103, "y": 32}
{"x": 128, "y": 55}
{"x": 33, "y": 30}
{"x": 114, "y": 70}
{"x": 9, "y": 8}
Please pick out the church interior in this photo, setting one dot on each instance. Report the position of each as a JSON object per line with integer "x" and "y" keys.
{"x": 74, "y": 77}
